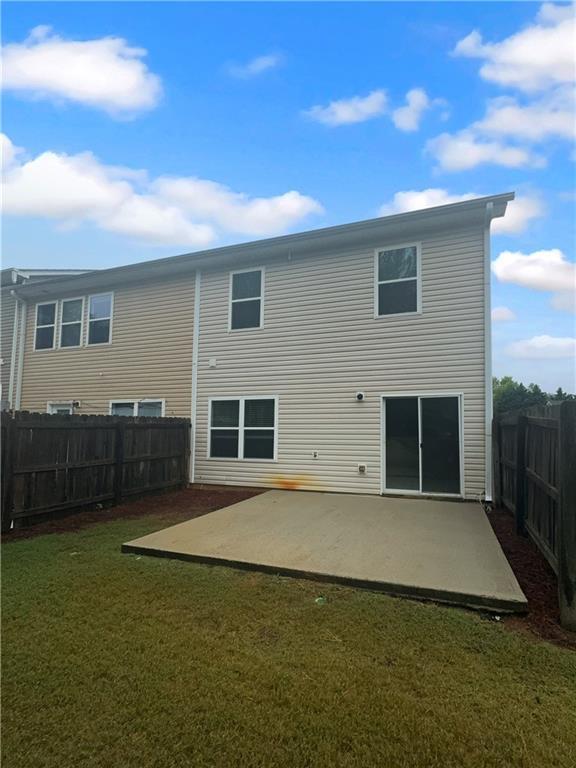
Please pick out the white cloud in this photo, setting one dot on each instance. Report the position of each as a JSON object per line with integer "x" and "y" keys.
{"x": 502, "y": 314}
{"x": 255, "y": 66}
{"x": 356, "y": 109}
{"x": 8, "y": 152}
{"x": 408, "y": 118}
{"x": 546, "y": 270}
{"x": 466, "y": 149}
{"x": 77, "y": 189}
{"x": 234, "y": 211}
{"x": 104, "y": 73}
{"x": 519, "y": 212}
{"x": 551, "y": 117}
{"x": 543, "y": 347}
{"x": 538, "y": 61}
{"x": 416, "y": 200}
{"x": 535, "y": 58}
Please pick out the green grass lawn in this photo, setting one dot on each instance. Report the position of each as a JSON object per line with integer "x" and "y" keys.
{"x": 118, "y": 661}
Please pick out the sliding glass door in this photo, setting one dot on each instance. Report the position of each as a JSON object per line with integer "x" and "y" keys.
{"x": 422, "y": 444}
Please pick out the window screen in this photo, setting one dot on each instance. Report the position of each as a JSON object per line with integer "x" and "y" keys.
{"x": 398, "y": 281}
{"x": 243, "y": 428}
{"x": 246, "y": 299}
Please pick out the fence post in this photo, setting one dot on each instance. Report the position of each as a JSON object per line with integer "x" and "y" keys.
{"x": 8, "y": 450}
{"x": 520, "y": 504}
{"x": 119, "y": 460}
{"x": 567, "y": 515}
{"x": 496, "y": 461}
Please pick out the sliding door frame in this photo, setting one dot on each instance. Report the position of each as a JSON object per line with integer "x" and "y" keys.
{"x": 419, "y": 395}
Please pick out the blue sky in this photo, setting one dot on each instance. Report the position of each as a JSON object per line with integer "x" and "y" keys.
{"x": 235, "y": 121}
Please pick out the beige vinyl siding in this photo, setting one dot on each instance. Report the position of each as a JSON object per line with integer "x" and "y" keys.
{"x": 7, "y": 328}
{"x": 150, "y": 355}
{"x": 321, "y": 343}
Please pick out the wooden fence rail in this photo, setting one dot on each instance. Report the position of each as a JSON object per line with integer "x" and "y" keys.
{"x": 535, "y": 478}
{"x": 58, "y": 462}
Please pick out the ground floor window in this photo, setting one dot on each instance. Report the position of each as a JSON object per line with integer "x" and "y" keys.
{"x": 62, "y": 408}
{"x": 243, "y": 428}
{"x": 137, "y": 408}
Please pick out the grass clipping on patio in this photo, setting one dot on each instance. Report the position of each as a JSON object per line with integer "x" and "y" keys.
{"x": 119, "y": 660}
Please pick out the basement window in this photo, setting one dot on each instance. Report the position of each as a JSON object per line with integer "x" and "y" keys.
{"x": 397, "y": 276}
{"x": 100, "y": 318}
{"x": 246, "y": 302}
{"x": 45, "y": 325}
{"x": 243, "y": 428}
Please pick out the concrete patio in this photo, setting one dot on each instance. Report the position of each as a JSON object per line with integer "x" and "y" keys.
{"x": 437, "y": 550}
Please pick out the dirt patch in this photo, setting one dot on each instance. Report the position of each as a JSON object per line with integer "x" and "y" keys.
{"x": 174, "y": 505}
{"x": 538, "y": 582}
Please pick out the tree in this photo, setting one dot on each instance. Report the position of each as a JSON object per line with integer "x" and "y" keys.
{"x": 510, "y": 395}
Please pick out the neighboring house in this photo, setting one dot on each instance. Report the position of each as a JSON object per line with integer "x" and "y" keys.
{"x": 9, "y": 279}
{"x": 353, "y": 358}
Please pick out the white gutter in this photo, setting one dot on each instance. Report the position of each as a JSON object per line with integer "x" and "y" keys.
{"x": 488, "y": 355}
{"x": 13, "y": 350}
{"x": 194, "y": 397}
{"x": 18, "y": 396}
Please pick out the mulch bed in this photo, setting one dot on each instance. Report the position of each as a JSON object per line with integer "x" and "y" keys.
{"x": 538, "y": 582}
{"x": 173, "y": 505}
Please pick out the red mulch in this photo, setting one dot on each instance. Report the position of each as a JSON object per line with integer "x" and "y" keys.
{"x": 538, "y": 582}
{"x": 173, "y": 506}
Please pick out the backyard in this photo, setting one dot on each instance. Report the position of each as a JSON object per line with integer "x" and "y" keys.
{"x": 121, "y": 660}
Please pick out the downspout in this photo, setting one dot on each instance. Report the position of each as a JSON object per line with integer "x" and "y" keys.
{"x": 194, "y": 394}
{"x": 488, "y": 355}
{"x": 13, "y": 350}
{"x": 22, "y": 344}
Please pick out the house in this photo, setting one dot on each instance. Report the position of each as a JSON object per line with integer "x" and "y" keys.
{"x": 354, "y": 358}
{"x": 9, "y": 279}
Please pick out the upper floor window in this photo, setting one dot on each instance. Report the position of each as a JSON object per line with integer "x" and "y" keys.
{"x": 246, "y": 302}
{"x": 100, "y": 318}
{"x": 71, "y": 314}
{"x": 397, "y": 275}
{"x": 45, "y": 325}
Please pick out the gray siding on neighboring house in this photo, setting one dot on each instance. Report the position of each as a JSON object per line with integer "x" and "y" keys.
{"x": 320, "y": 344}
{"x": 8, "y": 310}
{"x": 150, "y": 355}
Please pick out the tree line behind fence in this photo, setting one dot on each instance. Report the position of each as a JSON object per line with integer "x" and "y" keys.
{"x": 535, "y": 479}
{"x": 52, "y": 463}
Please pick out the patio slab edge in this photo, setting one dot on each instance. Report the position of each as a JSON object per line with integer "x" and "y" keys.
{"x": 477, "y": 602}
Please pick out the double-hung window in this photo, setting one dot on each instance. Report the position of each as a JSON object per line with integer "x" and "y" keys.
{"x": 397, "y": 276}
{"x": 100, "y": 318}
{"x": 243, "y": 428}
{"x": 71, "y": 316}
{"x": 45, "y": 325}
{"x": 246, "y": 299}
{"x": 137, "y": 408}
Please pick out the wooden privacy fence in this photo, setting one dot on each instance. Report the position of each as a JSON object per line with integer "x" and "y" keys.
{"x": 535, "y": 478}
{"x": 57, "y": 462}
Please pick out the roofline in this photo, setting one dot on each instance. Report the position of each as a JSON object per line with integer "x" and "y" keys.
{"x": 494, "y": 204}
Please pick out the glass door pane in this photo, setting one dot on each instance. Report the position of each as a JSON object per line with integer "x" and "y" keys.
{"x": 402, "y": 452}
{"x": 440, "y": 445}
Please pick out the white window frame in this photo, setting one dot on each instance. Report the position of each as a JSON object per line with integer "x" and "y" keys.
{"x": 418, "y": 278}
{"x": 110, "y": 318}
{"x": 253, "y": 298}
{"x": 52, "y": 404}
{"x": 137, "y": 401}
{"x": 241, "y": 428}
{"x": 61, "y": 323}
{"x": 50, "y": 325}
